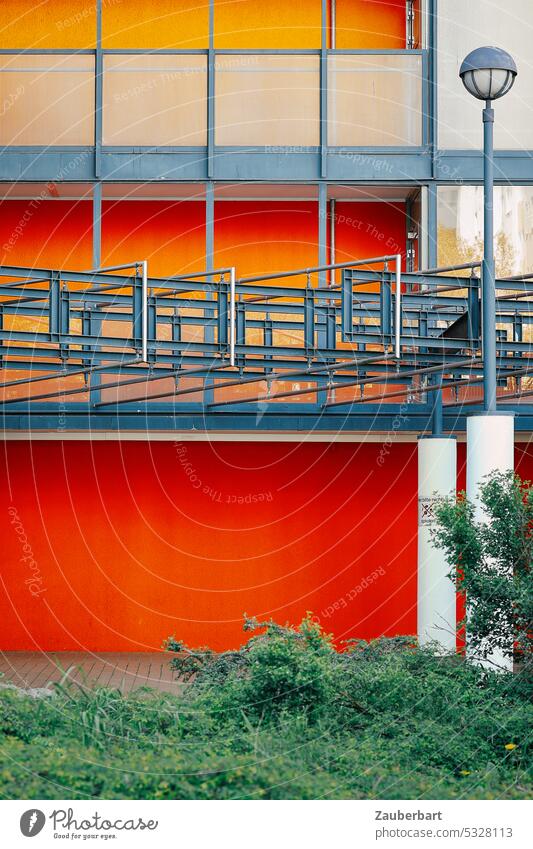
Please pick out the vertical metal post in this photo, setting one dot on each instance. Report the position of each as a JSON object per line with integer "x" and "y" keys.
{"x": 437, "y": 421}
{"x": 98, "y": 93}
{"x": 398, "y": 308}
{"x": 97, "y": 225}
{"x": 409, "y": 25}
{"x": 322, "y": 230}
{"x": 232, "y": 316}
{"x": 332, "y": 241}
{"x": 209, "y": 312}
{"x": 209, "y": 226}
{"x": 385, "y": 306}
{"x": 333, "y": 24}
{"x": 321, "y": 319}
{"x": 488, "y": 290}
{"x": 211, "y": 92}
{"x": 144, "y": 307}
{"x": 324, "y": 92}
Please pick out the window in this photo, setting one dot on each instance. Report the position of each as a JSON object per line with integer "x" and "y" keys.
{"x": 375, "y": 100}
{"x": 267, "y": 100}
{"x": 460, "y": 227}
{"x": 155, "y": 100}
{"x": 47, "y": 99}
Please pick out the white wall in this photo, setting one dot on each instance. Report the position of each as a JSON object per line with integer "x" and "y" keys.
{"x": 462, "y": 26}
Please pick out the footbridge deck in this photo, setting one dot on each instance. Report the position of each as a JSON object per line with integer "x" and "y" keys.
{"x": 355, "y": 346}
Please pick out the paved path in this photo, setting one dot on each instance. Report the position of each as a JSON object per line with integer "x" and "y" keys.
{"x": 123, "y": 670}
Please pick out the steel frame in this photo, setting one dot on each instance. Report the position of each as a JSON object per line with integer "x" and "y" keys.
{"x": 228, "y": 332}
{"x": 332, "y": 322}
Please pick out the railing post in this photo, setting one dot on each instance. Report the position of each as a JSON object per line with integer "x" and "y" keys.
{"x": 474, "y": 323}
{"x": 398, "y": 308}
{"x": 54, "y": 315}
{"x": 144, "y": 308}
{"x": 151, "y": 323}
{"x": 385, "y": 306}
{"x": 222, "y": 317}
{"x": 233, "y": 317}
{"x": 309, "y": 319}
{"x": 346, "y": 305}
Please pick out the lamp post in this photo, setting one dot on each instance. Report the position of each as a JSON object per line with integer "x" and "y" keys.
{"x": 488, "y": 73}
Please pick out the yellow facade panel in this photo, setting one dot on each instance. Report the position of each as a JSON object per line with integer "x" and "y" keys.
{"x": 48, "y": 24}
{"x": 255, "y": 24}
{"x": 155, "y": 24}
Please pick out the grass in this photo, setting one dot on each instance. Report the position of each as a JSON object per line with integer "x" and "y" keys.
{"x": 286, "y": 717}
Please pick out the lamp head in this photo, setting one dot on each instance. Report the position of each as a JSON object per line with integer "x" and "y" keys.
{"x": 488, "y": 72}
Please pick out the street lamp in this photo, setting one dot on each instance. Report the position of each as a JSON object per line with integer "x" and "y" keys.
{"x": 488, "y": 73}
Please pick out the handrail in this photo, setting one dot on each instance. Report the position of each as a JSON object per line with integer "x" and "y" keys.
{"x": 314, "y": 269}
{"x": 446, "y": 268}
{"x": 396, "y": 258}
{"x": 143, "y": 265}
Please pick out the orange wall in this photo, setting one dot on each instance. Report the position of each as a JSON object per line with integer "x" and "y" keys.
{"x": 179, "y": 24}
{"x": 46, "y": 233}
{"x": 44, "y": 24}
{"x": 184, "y": 24}
{"x": 256, "y": 236}
{"x": 130, "y": 542}
{"x": 370, "y": 24}
{"x": 133, "y": 544}
{"x": 266, "y": 236}
{"x": 368, "y": 229}
{"x": 170, "y": 235}
{"x": 273, "y": 24}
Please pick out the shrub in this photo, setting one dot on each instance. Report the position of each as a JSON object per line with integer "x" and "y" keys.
{"x": 494, "y": 560}
{"x": 278, "y": 669}
{"x": 284, "y": 717}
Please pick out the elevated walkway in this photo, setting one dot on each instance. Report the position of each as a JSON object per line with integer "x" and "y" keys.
{"x": 114, "y": 349}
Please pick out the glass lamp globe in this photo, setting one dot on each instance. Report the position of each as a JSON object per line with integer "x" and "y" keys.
{"x": 488, "y": 72}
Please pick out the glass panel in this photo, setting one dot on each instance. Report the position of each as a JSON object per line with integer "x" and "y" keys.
{"x": 277, "y": 24}
{"x": 48, "y": 24}
{"x": 267, "y": 100}
{"x": 462, "y": 27}
{"x": 460, "y": 227}
{"x": 155, "y": 100}
{"x": 46, "y": 99}
{"x": 375, "y": 100}
{"x": 155, "y": 24}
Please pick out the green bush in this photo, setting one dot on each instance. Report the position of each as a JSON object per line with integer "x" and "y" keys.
{"x": 287, "y": 716}
{"x": 492, "y": 563}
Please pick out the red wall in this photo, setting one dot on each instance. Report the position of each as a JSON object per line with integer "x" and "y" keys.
{"x": 132, "y": 544}
{"x": 129, "y": 542}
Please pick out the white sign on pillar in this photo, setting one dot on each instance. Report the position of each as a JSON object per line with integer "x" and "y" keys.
{"x": 437, "y": 478}
{"x": 490, "y": 448}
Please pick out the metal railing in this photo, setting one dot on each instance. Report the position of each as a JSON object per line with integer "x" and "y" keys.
{"x": 231, "y": 331}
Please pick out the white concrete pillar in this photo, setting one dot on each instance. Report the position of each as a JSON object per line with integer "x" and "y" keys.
{"x": 489, "y": 448}
{"x": 437, "y": 477}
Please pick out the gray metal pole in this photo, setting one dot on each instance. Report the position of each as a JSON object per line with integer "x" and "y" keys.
{"x": 437, "y": 421}
{"x": 488, "y": 299}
